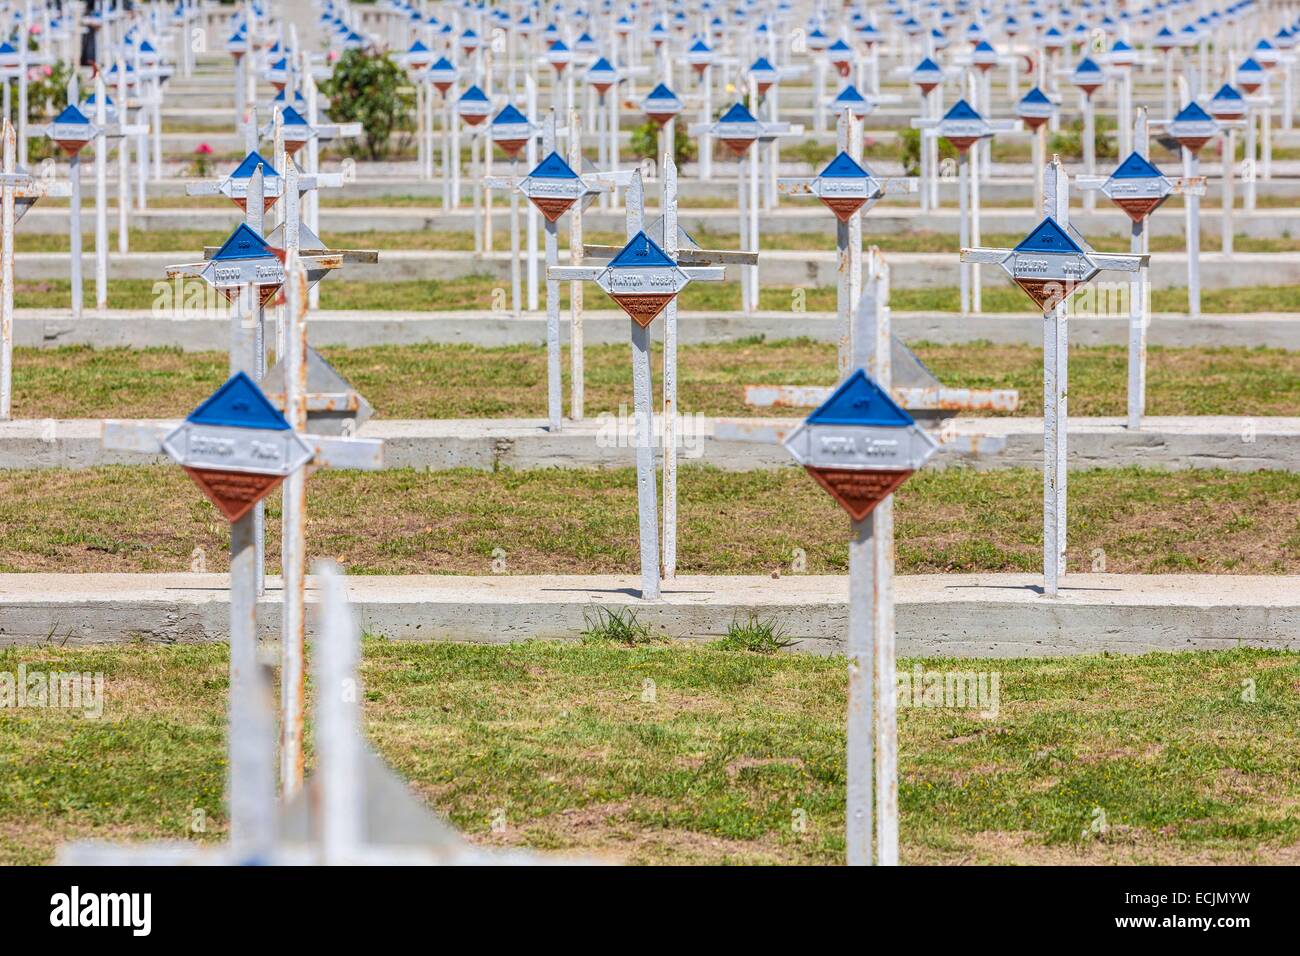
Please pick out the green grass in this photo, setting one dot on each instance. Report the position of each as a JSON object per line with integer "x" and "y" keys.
{"x": 477, "y": 292}
{"x": 688, "y": 754}
{"x": 458, "y": 381}
{"x": 193, "y": 241}
{"x": 575, "y": 521}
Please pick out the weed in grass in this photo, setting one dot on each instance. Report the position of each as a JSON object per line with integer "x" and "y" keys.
{"x": 757, "y": 635}
{"x": 618, "y": 627}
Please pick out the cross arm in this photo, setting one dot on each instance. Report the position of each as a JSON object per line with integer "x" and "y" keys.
{"x": 320, "y": 181}
{"x": 338, "y": 130}
{"x": 775, "y": 432}
{"x": 1119, "y": 263}
{"x": 324, "y": 259}
{"x": 115, "y": 130}
{"x": 990, "y": 256}
{"x": 609, "y": 179}
{"x": 574, "y": 273}
{"x": 898, "y": 184}
{"x": 146, "y": 438}
{"x": 705, "y": 257}
{"x": 1188, "y": 185}
{"x": 704, "y": 273}
{"x": 357, "y": 454}
{"x": 26, "y": 186}
{"x": 795, "y": 187}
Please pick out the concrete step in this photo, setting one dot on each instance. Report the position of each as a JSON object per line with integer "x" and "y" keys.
{"x": 47, "y": 328}
{"x": 982, "y": 616}
{"x": 608, "y": 441}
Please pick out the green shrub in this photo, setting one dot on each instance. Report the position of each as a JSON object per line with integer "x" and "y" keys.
{"x": 645, "y": 143}
{"x": 369, "y": 88}
{"x": 1068, "y": 143}
{"x": 47, "y": 95}
{"x": 911, "y": 152}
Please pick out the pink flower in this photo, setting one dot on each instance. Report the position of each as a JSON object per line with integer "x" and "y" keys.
{"x": 48, "y": 71}
{"x": 203, "y": 149}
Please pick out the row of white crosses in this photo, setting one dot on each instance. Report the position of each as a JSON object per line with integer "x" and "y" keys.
{"x": 1049, "y": 264}
{"x": 249, "y": 270}
{"x": 1193, "y": 128}
{"x": 849, "y": 190}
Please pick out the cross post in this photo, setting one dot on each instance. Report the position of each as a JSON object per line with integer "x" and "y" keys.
{"x": 19, "y": 191}
{"x": 963, "y": 126}
{"x": 847, "y": 189}
{"x": 1139, "y": 188}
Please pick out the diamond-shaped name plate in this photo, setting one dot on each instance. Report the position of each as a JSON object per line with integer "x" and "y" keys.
{"x": 834, "y": 187}
{"x": 1138, "y": 196}
{"x": 860, "y": 446}
{"x": 963, "y": 130}
{"x": 737, "y": 131}
{"x": 510, "y": 132}
{"x": 1048, "y": 264}
{"x": 1047, "y": 278}
{"x": 226, "y": 273}
{"x": 668, "y": 280}
{"x": 258, "y": 451}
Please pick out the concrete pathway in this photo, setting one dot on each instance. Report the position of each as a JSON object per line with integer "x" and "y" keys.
{"x": 992, "y": 615}
{"x": 143, "y": 328}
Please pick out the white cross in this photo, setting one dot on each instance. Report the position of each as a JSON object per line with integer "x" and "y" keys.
{"x": 1035, "y": 270}
{"x": 647, "y": 506}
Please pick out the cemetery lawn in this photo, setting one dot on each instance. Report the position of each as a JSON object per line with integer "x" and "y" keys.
{"x": 733, "y": 750}
{"x": 475, "y": 292}
{"x": 572, "y": 521}
{"x": 460, "y": 381}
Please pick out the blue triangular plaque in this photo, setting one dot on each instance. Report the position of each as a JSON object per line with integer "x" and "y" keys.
{"x": 239, "y": 403}
{"x": 553, "y": 167}
{"x": 641, "y": 252}
{"x": 244, "y": 243}
{"x": 860, "y": 401}
{"x": 1048, "y": 236}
